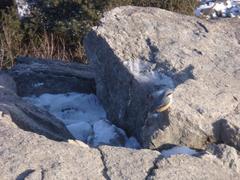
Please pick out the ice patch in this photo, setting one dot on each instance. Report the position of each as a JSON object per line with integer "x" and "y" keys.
{"x": 106, "y": 133}
{"x": 81, "y": 130}
{"x": 23, "y": 8}
{"x": 84, "y": 117}
{"x": 36, "y": 85}
{"x": 132, "y": 143}
{"x": 215, "y": 9}
{"x": 178, "y": 150}
{"x": 145, "y": 72}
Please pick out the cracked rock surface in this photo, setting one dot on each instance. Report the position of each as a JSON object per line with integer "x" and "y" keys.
{"x": 29, "y": 155}
{"x": 227, "y": 154}
{"x": 122, "y": 163}
{"x": 135, "y": 58}
{"x": 35, "y": 145}
{"x": 137, "y": 52}
{"x": 185, "y": 167}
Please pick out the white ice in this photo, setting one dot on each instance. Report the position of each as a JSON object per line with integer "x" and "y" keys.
{"x": 144, "y": 72}
{"x": 84, "y": 117}
{"x": 178, "y": 150}
{"x": 23, "y": 8}
{"x": 36, "y": 85}
{"x": 215, "y": 9}
{"x": 132, "y": 143}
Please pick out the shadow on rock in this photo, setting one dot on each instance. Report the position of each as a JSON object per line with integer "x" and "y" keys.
{"x": 24, "y": 174}
{"x": 227, "y": 133}
{"x": 124, "y": 87}
{"x": 166, "y": 68}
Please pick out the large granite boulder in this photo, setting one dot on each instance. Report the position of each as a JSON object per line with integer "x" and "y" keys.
{"x": 35, "y": 145}
{"x": 138, "y": 52}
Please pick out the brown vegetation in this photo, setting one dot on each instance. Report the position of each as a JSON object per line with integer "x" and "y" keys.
{"x": 56, "y": 28}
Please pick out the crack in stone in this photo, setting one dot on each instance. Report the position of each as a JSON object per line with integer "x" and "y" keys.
{"x": 203, "y": 26}
{"x": 105, "y": 169}
{"x": 43, "y": 171}
{"x": 150, "y": 172}
{"x": 25, "y": 174}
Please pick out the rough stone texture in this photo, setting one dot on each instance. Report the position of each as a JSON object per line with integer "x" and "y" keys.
{"x": 228, "y": 155}
{"x": 123, "y": 163}
{"x": 31, "y": 156}
{"x": 136, "y": 52}
{"x": 35, "y": 77}
{"x": 184, "y": 167}
{"x": 229, "y": 125}
{"x": 28, "y": 150}
{"x": 139, "y": 51}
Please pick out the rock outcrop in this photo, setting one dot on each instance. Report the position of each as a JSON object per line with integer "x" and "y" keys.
{"x": 36, "y": 145}
{"x": 137, "y": 52}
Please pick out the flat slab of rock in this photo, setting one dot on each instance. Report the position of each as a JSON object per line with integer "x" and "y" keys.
{"x": 37, "y": 76}
{"x": 137, "y": 52}
{"x": 123, "y": 163}
{"x": 31, "y": 156}
{"x": 186, "y": 167}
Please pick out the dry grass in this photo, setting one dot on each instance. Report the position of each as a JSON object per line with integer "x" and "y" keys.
{"x": 15, "y": 41}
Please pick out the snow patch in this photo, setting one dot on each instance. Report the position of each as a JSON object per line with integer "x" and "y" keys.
{"x": 85, "y": 118}
{"x": 23, "y": 8}
{"x": 218, "y": 8}
{"x": 132, "y": 143}
{"x": 178, "y": 150}
{"x": 36, "y": 85}
{"x": 145, "y": 72}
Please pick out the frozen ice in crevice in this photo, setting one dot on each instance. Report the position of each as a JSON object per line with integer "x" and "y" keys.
{"x": 179, "y": 150}
{"x": 145, "y": 72}
{"x": 37, "y": 85}
{"x": 85, "y": 118}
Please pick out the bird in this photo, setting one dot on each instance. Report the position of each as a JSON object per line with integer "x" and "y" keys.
{"x": 163, "y": 99}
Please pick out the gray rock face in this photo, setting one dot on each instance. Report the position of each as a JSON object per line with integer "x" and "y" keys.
{"x": 35, "y": 77}
{"x": 138, "y": 52}
{"x": 28, "y": 155}
{"x": 122, "y": 163}
{"x": 185, "y": 167}
{"x": 228, "y": 155}
{"x": 35, "y": 145}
